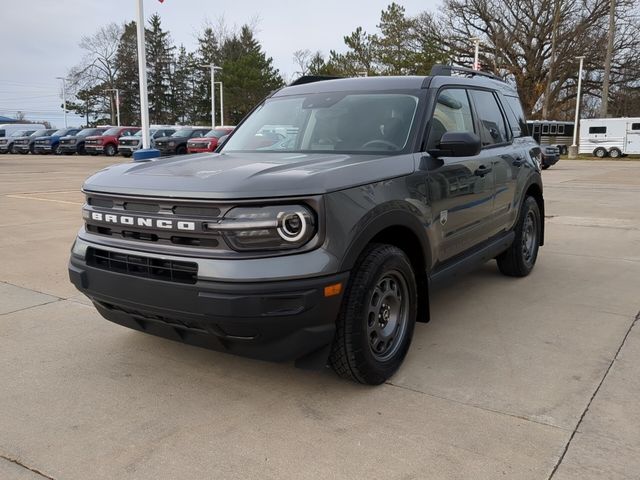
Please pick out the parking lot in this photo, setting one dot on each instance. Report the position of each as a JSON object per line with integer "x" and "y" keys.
{"x": 523, "y": 379}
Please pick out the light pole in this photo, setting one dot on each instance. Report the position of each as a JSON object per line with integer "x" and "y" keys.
{"x": 221, "y": 105}
{"x": 573, "y": 150}
{"x": 145, "y": 153}
{"x": 476, "y": 63}
{"x": 117, "y": 102}
{"x": 64, "y": 99}
{"x": 213, "y": 92}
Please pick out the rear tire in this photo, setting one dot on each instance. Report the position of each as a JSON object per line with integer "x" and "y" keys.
{"x": 520, "y": 258}
{"x": 615, "y": 153}
{"x": 12, "y": 149}
{"x": 378, "y": 315}
{"x": 600, "y": 152}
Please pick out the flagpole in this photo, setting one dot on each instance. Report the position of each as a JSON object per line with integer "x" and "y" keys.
{"x": 145, "y": 153}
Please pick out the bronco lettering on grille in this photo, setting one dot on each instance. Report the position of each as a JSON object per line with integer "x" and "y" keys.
{"x": 143, "y": 221}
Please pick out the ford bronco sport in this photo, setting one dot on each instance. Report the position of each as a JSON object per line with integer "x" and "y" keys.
{"x": 319, "y": 229}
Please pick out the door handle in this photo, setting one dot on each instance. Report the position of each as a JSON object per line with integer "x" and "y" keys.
{"x": 482, "y": 170}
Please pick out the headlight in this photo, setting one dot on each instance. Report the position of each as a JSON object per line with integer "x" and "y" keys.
{"x": 99, "y": 141}
{"x": 72, "y": 141}
{"x": 267, "y": 228}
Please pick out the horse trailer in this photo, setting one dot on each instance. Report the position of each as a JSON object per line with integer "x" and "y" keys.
{"x": 613, "y": 137}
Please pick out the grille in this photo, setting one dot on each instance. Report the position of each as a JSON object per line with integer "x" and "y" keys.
{"x": 140, "y": 266}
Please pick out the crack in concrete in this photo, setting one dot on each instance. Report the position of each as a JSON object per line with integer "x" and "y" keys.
{"x": 584, "y": 413}
{"x": 31, "y": 469}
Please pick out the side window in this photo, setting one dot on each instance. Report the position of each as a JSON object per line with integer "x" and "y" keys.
{"x": 561, "y": 129}
{"x": 492, "y": 126}
{"x": 635, "y": 126}
{"x": 452, "y": 114}
{"x": 536, "y": 128}
{"x": 597, "y": 130}
{"x": 545, "y": 128}
{"x": 197, "y": 134}
{"x": 554, "y": 129}
{"x": 515, "y": 115}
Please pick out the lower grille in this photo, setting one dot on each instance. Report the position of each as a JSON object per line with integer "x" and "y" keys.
{"x": 139, "y": 266}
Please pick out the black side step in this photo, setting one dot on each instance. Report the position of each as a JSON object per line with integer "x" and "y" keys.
{"x": 451, "y": 270}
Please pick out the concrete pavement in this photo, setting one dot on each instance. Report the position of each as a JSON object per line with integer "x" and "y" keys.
{"x": 532, "y": 378}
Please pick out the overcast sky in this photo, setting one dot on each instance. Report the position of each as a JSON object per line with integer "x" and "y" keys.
{"x": 40, "y": 38}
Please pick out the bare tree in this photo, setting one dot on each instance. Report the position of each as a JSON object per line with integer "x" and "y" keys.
{"x": 519, "y": 36}
{"x": 302, "y": 59}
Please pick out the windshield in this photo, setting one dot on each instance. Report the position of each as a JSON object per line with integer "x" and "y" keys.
{"x": 336, "y": 122}
{"x": 20, "y": 133}
{"x": 40, "y": 133}
{"x": 217, "y": 133}
{"x": 111, "y": 131}
{"x": 183, "y": 132}
{"x": 88, "y": 131}
{"x": 61, "y": 132}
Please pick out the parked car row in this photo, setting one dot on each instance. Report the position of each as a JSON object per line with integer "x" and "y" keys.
{"x": 109, "y": 141}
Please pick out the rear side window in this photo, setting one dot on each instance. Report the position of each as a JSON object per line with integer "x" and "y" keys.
{"x": 493, "y": 130}
{"x": 3, "y": 133}
{"x": 515, "y": 115}
{"x": 554, "y": 129}
{"x": 634, "y": 126}
{"x": 597, "y": 129}
{"x": 561, "y": 129}
{"x": 452, "y": 114}
{"x": 545, "y": 128}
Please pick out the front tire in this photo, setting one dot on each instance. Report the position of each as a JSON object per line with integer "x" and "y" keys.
{"x": 378, "y": 315}
{"x": 110, "y": 150}
{"x": 519, "y": 259}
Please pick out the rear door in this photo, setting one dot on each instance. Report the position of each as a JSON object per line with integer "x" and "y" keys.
{"x": 498, "y": 152}
{"x": 633, "y": 139}
{"x": 460, "y": 188}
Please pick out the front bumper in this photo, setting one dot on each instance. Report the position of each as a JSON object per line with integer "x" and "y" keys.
{"x": 42, "y": 149}
{"x": 166, "y": 150}
{"x": 21, "y": 148}
{"x": 93, "y": 148}
{"x": 550, "y": 159}
{"x": 279, "y": 321}
{"x": 203, "y": 149}
{"x": 68, "y": 148}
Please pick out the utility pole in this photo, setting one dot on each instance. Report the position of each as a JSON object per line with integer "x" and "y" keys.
{"x": 117, "y": 103}
{"x": 552, "y": 65}
{"x": 145, "y": 153}
{"x": 213, "y": 92}
{"x": 64, "y": 99}
{"x": 221, "y": 105}
{"x": 607, "y": 60}
{"x": 476, "y": 60}
{"x": 573, "y": 150}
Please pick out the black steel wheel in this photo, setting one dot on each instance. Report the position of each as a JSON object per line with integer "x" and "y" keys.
{"x": 519, "y": 259}
{"x": 376, "y": 322}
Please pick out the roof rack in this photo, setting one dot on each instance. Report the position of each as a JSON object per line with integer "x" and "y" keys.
{"x": 311, "y": 79}
{"x": 449, "y": 70}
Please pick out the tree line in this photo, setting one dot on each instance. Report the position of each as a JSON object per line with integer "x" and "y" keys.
{"x": 533, "y": 44}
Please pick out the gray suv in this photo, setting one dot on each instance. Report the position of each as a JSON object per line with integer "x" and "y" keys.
{"x": 319, "y": 229}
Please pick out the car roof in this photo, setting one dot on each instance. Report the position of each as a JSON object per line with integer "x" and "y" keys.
{"x": 305, "y": 86}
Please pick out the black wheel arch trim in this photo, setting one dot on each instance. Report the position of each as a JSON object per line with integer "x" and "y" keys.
{"x": 536, "y": 180}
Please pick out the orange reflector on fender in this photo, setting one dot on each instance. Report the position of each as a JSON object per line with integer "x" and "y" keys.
{"x": 332, "y": 290}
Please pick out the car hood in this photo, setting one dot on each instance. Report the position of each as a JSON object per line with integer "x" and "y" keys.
{"x": 47, "y": 137}
{"x": 171, "y": 139}
{"x": 248, "y": 175}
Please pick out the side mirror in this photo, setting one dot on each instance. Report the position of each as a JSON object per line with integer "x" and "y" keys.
{"x": 457, "y": 144}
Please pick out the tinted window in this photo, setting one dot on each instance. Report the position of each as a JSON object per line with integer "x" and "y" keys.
{"x": 560, "y": 129}
{"x": 545, "y": 128}
{"x": 492, "y": 127}
{"x": 515, "y": 115}
{"x": 3, "y": 133}
{"x": 111, "y": 131}
{"x": 452, "y": 114}
{"x": 597, "y": 129}
{"x": 197, "y": 133}
{"x": 40, "y": 133}
{"x": 536, "y": 128}
{"x": 554, "y": 129}
{"x": 635, "y": 126}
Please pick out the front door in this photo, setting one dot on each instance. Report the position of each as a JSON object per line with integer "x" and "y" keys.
{"x": 633, "y": 139}
{"x": 460, "y": 188}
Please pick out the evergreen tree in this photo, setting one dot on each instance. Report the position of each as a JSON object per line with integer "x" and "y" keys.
{"x": 127, "y": 81}
{"x": 393, "y": 47}
{"x": 159, "y": 61}
{"x": 208, "y": 53}
{"x": 247, "y": 74}
{"x": 182, "y": 87}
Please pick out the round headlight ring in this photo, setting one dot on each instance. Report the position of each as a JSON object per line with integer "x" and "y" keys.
{"x": 285, "y": 231}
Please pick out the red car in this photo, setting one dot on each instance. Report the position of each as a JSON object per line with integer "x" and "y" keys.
{"x": 209, "y": 142}
{"x": 107, "y": 143}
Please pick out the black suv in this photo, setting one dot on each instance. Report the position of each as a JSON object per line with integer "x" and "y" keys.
{"x": 321, "y": 226}
{"x": 176, "y": 144}
{"x": 71, "y": 144}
